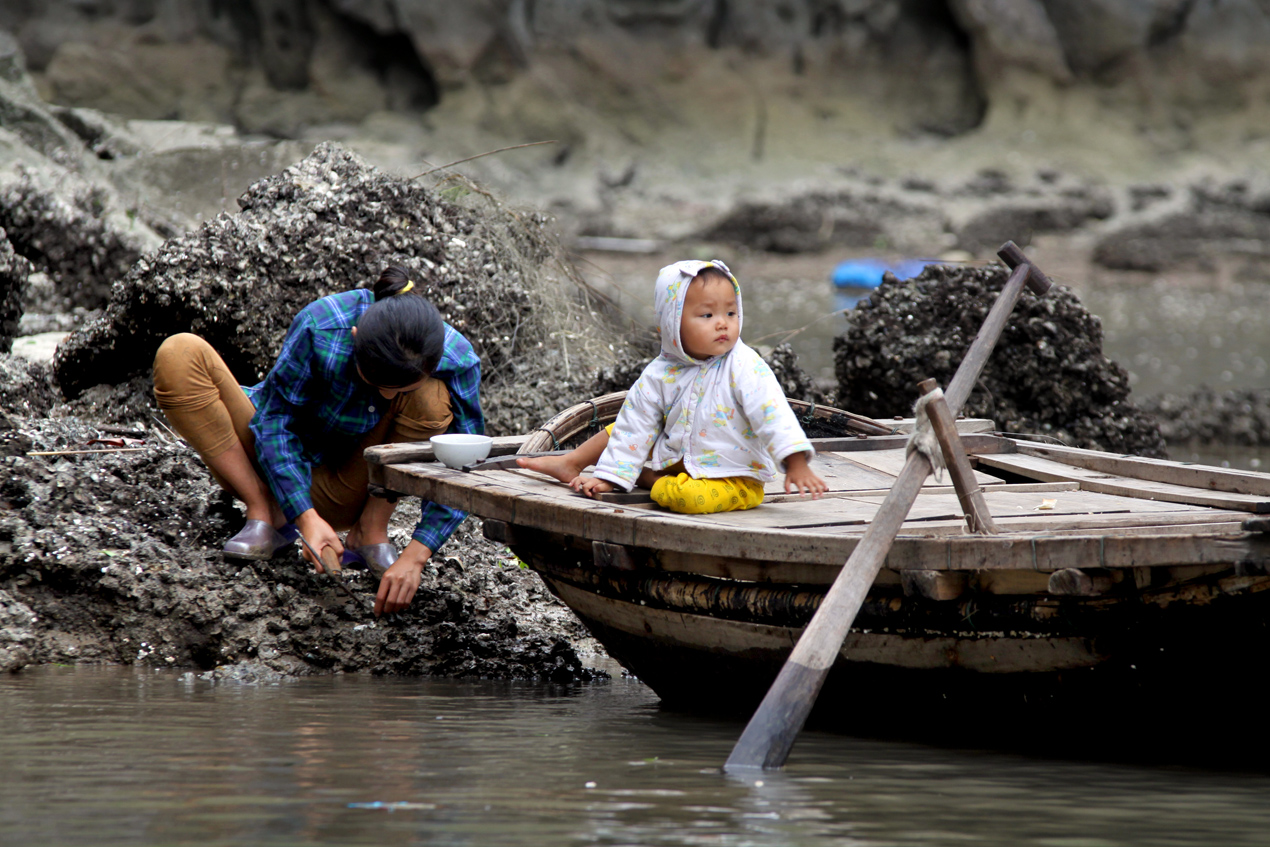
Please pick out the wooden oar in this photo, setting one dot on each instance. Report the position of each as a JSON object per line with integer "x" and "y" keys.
{"x": 776, "y": 723}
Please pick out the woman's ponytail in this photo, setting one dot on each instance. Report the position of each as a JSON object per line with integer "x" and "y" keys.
{"x": 392, "y": 280}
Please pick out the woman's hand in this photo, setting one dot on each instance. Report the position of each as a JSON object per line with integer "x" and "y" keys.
{"x": 590, "y": 486}
{"x": 801, "y": 478}
{"x": 319, "y": 535}
{"x": 399, "y": 583}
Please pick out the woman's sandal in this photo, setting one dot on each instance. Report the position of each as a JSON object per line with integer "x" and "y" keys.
{"x": 258, "y": 540}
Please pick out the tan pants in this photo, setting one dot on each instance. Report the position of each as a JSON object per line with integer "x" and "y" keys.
{"x": 206, "y": 405}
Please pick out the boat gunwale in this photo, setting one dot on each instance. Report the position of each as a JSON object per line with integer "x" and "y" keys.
{"x": 1041, "y": 550}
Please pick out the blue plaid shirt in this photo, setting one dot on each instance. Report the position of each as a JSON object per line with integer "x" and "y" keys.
{"x": 314, "y": 405}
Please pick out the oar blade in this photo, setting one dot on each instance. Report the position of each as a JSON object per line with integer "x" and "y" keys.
{"x": 775, "y": 725}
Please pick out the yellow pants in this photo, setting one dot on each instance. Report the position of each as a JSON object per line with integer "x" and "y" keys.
{"x": 690, "y": 496}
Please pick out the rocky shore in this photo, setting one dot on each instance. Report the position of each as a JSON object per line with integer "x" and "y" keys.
{"x": 125, "y": 230}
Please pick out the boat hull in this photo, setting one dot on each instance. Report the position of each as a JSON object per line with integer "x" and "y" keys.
{"x": 1193, "y": 648}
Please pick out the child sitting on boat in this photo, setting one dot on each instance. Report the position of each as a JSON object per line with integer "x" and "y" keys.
{"x": 708, "y": 409}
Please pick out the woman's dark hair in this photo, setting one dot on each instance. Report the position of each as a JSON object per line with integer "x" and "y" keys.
{"x": 401, "y": 337}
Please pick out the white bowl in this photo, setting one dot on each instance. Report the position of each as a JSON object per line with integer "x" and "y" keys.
{"x": 455, "y": 449}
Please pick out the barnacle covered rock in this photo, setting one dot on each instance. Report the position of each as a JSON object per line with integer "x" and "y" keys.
{"x": 1047, "y": 374}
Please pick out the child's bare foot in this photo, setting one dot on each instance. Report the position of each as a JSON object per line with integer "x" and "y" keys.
{"x": 557, "y": 467}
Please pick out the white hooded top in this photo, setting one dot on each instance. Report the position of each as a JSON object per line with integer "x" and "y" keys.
{"x": 725, "y": 416}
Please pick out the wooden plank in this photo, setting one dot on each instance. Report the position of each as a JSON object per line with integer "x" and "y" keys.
{"x": 974, "y": 443}
{"x": 684, "y": 630}
{"x": 485, "y": 495}
{"x": 891, "y": 462}
{"x": 421, "y": 451}
{"x": 1154, "y": 470}
{"x": 1019, "y": 488}
{"x": 640, "y": 496}
{"x": 939, "y": 586}
{"x": 1215, "y": 524}
{"x": 1075, "y": 582}
{"x": 965, "y": 426}
{"x": 969, "y": 494}
{"x": 1010, "y": 583}
{"x": 1047, "y": 470}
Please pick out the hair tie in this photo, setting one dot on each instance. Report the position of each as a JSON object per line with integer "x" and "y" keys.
{"x": 410, "y": 283}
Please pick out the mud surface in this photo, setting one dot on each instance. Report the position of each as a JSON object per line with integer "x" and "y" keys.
{"x": 114, "y": 557}
{"x": 1212, "y": 222}
{"x": 1208, "y": 416}
{"x": 1047, "y": 375}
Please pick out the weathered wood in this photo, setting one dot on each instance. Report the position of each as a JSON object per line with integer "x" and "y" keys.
{"x": 421, "y": 451}
{"x": 500, "y": 531}
{"x": 966, "y": 426}
{"x": 892, "y": 462}
{"x": 930, "y": 491}
{"x": 1013, "y": 257}
{"x": 1035, "y": 467}
{"x": 1154, "y": 470}
{"x": 616, "y": 556}
{"x": 498, "y": 495}
{"x": 1012, "y": 583}
{"x": 1077, "y": 582}
{"x": 974, "y": 443}
{"x": 668, "y": 631}
{"x": 969, "y": 494}
{"x": 933, "y": 585}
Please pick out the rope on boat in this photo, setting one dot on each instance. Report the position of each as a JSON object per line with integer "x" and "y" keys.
{"x": 923, "y": 439}
{"x": 555, "y": 445}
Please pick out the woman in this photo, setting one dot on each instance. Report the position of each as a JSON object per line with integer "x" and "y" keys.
{"x": 356, "y": 369}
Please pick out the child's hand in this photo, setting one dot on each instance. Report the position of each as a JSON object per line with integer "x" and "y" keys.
{"x": 590, "y": 486}
{"x": 801, "y": 478}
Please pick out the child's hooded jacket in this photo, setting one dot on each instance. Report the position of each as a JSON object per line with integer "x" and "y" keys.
{"x": 725, "y": 416}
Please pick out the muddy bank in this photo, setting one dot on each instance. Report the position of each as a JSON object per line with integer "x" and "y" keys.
{"x": 114, "y": 557}
{"x": 1047, "y": 376}
{"x": 1209, "y": 416}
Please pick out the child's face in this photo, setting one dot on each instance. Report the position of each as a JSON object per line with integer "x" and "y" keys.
{"x": 710, "y": 325}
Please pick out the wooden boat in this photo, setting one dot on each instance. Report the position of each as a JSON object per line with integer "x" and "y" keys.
{"x": 1108, "y": 575}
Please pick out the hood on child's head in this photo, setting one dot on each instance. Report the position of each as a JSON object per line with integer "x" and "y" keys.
{"x": 668, "y": 300}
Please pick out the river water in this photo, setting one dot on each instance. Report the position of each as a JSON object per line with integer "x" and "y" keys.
{"x": 141, "y": 757}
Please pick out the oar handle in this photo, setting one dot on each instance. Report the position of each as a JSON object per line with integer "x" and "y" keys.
{"x": 331, "y": 561}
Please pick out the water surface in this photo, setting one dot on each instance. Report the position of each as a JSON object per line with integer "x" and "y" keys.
{"x": 139, "y": 757}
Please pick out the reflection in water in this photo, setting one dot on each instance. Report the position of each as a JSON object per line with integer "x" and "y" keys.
{"x": 122, "y": 756}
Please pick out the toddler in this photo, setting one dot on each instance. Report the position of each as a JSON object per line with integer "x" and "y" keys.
{"x": 708, "y": 410}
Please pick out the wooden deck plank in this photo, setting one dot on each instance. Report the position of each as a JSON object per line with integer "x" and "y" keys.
{"x": 1128, "y": 524}
{"x": 891, "y": 462}
{"x": 1155, "y": 470}
{"x": 1035, "y": 467}
{"x": 514, "y": 496}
